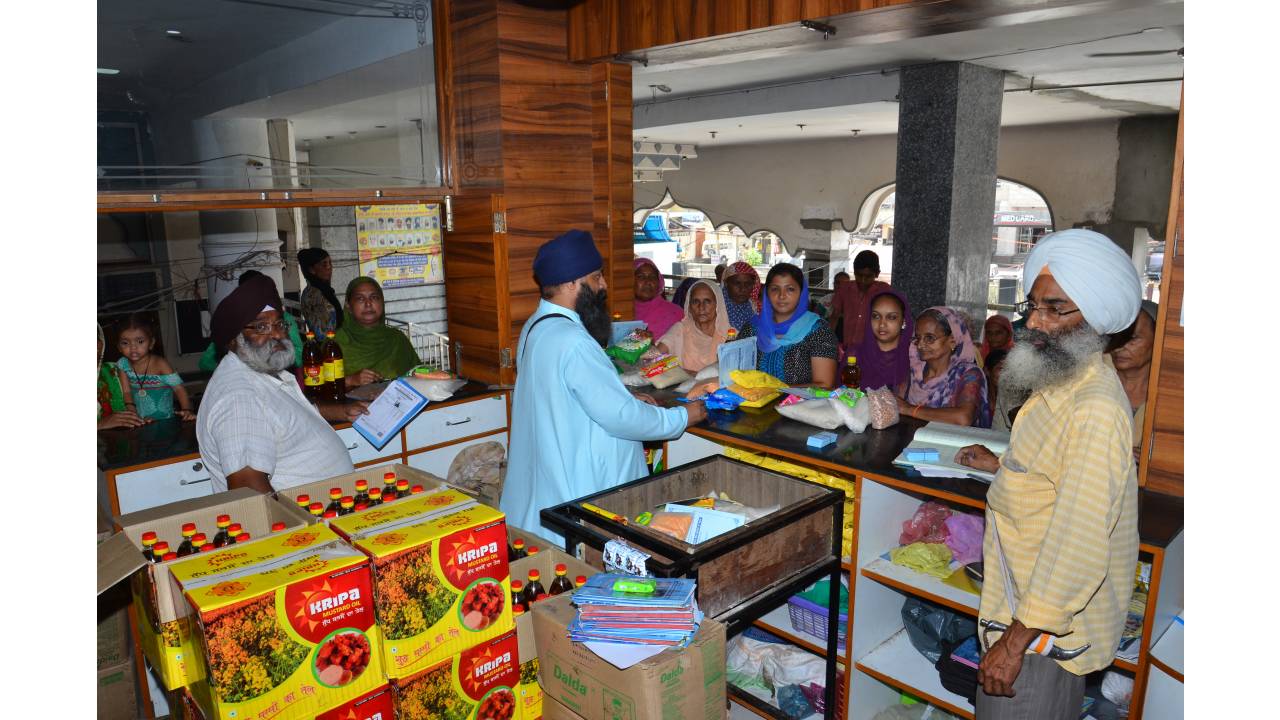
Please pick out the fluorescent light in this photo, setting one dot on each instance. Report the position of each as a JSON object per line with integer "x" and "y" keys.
{"x": 108, "y": 71}
{"x": 172, "y": 32}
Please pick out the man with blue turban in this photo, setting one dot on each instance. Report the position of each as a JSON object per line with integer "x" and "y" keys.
{"x": 1061, "y": 538}
{"x": 575, "y": 429}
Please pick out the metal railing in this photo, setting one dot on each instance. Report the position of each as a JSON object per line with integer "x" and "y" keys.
{"x": 432, "y": 347}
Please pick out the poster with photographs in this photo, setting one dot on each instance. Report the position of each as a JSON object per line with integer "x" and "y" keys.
{"x": 400, "y": 245}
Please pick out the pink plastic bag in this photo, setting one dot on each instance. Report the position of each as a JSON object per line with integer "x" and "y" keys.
{"x": 964, "y": 537}
{"x": 927, "y": 525}
{"x": 884, "y": 408}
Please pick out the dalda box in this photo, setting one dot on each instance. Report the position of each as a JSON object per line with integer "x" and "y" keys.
{"x": 158, "y": 610}
{"x": 478, "y": 682}
{"x": 290, "y": 637}
{"x": 440, "y": 576}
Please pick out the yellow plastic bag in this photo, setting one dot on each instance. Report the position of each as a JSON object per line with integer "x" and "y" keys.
{"x": 756, "y": 379}
{"x": 929, "y": 558}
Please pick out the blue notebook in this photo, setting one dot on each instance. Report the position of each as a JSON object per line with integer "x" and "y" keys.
{"x": 390, "y": 412}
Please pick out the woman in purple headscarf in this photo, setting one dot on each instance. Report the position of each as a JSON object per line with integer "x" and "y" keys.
{"x": 946, "y": 383}
{"x": 883, "y": 353}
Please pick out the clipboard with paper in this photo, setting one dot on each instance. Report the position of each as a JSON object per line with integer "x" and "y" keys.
{"x": 736, "y": 355}
{"x": 389, "y": 412}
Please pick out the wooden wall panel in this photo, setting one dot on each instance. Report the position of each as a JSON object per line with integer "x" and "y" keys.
{"x": 1163, "y": 426}
{"x": 612, "y": 180}
{"x": 475, "y": 83}
{"x": 602, "y": 29}
{"x": 473, "y": 260}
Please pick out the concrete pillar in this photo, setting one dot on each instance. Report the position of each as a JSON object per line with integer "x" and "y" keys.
{"x": 284, "y": 166}
{"x": 235, "y": 153}
{"x": 948, "y": 131}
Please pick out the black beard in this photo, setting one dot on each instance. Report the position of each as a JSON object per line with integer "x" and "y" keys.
{"x": 593, "y": 309}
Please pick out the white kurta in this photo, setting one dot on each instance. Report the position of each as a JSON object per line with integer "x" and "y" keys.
{"x": 575, "y": 429}
{"x": 252, "y": 419}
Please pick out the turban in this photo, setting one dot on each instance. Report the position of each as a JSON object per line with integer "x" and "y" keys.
{"x": 570, "y": 256}
{"x": 1095, "y": 273}
{"x": 241, "y": 307}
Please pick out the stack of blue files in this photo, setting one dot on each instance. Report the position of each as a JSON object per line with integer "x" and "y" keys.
{"x": 667, "y": 616}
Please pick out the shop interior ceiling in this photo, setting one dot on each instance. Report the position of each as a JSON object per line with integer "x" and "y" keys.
{"x": 762, "y": 86}
{"x": 342, "y": 72}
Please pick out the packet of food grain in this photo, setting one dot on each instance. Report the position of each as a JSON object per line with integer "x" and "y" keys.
{"x": 291, "y": 637}
{"x": 441, "y": 582}
{"x": 479, "y": 682}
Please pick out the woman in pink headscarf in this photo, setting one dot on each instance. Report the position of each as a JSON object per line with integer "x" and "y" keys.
{"x": 697, "y": 337}
{"x": 655, "y": 311}
{"x": 742, "y": 294}
{"x": 946, "y": 384}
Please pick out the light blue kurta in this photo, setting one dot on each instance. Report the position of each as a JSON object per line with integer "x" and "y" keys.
{"x": 575, "y": 429}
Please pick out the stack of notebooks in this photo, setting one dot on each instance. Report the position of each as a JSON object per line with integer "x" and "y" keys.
{"x": 668, "y": 616}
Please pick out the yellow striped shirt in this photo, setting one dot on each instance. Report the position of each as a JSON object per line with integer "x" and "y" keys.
{"x": 1066, "y": 502}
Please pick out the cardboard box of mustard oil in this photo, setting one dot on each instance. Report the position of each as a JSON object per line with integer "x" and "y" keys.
{"x": 529, "y": 692}
{"x": 440, "y": 573}
{"x": 687, "y": 683}
{"x": 289, "y": 637}
{"x": 318, "y": 491}
{"x": 159, "y": 612}
{"x": 478, "y": 682}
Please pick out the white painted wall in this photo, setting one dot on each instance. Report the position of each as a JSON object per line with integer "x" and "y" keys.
{"x": 767, "y": 186}
{"x": 389, "y": 155}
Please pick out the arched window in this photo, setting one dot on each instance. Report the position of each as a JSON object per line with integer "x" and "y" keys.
{"x": 683, "y": 240}
{"x": 1021, "y": 217}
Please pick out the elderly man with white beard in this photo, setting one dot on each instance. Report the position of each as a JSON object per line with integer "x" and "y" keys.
{"x": 1061, "y": 537}
{"x": 255, "y": 428}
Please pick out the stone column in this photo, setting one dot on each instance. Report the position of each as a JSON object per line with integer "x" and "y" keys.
{"x": 948, "y": 131}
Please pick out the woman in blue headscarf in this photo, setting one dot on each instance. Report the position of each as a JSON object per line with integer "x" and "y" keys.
{"x": 792, "y": 343}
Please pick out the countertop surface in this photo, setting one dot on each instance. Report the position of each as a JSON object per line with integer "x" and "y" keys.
{"x": 1160, "y": 517}
{"x": 165, "y": 440}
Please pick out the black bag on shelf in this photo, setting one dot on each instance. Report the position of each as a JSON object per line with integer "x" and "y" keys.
{"x": 957, "y": 676}
{"x": 929, "y": 625}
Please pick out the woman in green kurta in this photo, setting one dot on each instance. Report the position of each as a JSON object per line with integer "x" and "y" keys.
{"x": 370, "y": 349}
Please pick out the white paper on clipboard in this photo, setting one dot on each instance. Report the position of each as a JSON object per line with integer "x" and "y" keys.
{"x": 392, "y": 410}
{"x": 736, "y": 355}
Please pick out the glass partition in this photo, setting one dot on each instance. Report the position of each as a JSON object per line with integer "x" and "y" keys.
{"x": 266, "y": 94}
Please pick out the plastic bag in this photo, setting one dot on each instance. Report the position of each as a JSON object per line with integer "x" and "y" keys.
{"x": 928, "y": 626}
{"x": 928, "y": 558}
{"x": 855, "y": 418}
{"x": 709, "y": 372}
{"x": 919, "y": 711}
{"x": 436, "y": 390}
{"x": 818, "y": 413}
{"x": 631, "y": 346}
{"x": 634, "y": 379}
{"x": 964, "y": 537}
{"x": 674, "y": 376}
{"x": 883, "y": 408}
{"x": 674, "y": 524}
{"x": 756, "y": 379}
{"x": 793, "y": 703}
{"x": 771, "y": 666}
{"x": 928, "y": 524}
{"x": 480, "y": 470}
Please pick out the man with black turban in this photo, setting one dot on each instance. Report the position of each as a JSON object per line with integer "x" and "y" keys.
{"x": 255, "y": 427}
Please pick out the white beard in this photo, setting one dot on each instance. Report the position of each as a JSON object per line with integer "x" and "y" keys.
{"x": 269, "y": 358}
{"x": 1027, "y": 368}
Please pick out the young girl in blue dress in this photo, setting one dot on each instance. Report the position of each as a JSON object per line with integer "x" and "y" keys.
{"x": 148, "y": 381}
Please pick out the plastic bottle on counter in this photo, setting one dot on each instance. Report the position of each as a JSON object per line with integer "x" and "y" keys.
{"x": 186, "y": 548}
{"x": 159, "y": 550}
{"x": 312, "y": 368}
{"x": 852, "y": 375}
{"x": 561, "y": 583}
{"x": 335, "y": 499}
{"x": 233, "y": 533}
{"x": 148, "y": 544}
{"x": 334, "y": 371}
{"x": 533, "y": 589}
{"x": 220, "y": 537}
{"x": 362, "y": 491}
{"x": 375, "y": 496}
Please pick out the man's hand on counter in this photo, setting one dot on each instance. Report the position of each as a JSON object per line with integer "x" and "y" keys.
{"x": 697, "y": 412}
{"x": 978, "y": 457}
{"x": 342, "y": 411}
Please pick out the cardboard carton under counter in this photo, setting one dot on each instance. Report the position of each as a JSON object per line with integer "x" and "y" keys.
{"x": 529, "y": 692}
{"x": 478, "y": 682}
{"x": 319, "y": 490}
{"x": 441, "y": 580}
{"x": 686, "y": 683}
{"x": 160, "y": 613}
{"x": 292, "y": 637}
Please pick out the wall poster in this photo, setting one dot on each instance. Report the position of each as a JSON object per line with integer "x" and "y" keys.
{"x": 400, "y": 245}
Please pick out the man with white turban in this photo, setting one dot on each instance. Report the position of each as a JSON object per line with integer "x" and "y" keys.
{"x": 1062, "y": 513}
